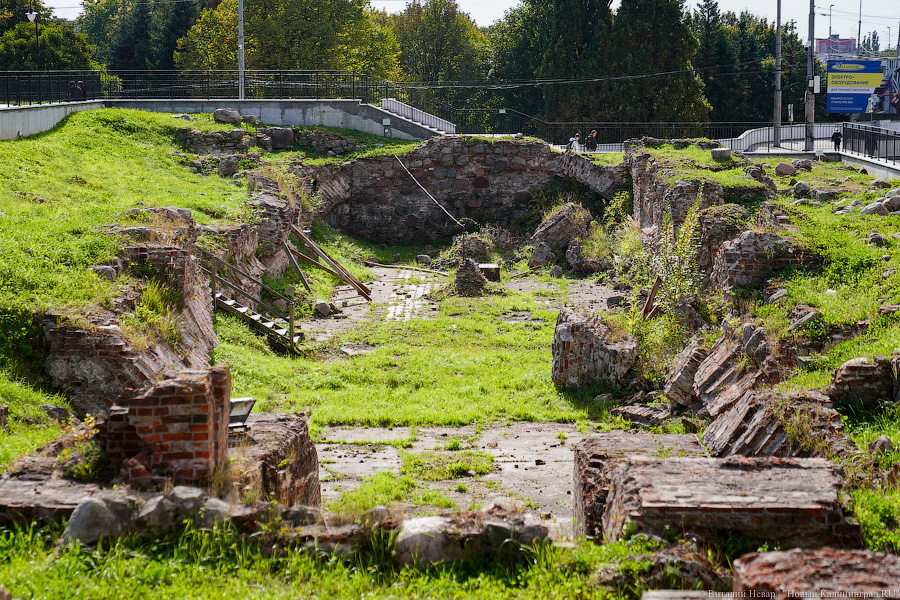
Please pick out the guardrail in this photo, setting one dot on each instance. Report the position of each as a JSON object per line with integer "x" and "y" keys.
{"x": 418, "y": 116}
{"x": 873, "y": 142}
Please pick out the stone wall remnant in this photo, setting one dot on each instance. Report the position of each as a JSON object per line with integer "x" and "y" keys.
{"x": 790, "y": 502}
{"x": 764, "y": 423}
{"x": 863, "y": 383}
{"x": 94, "y": 364}
{"x": 594, "y": 457}
{"x": 176, "y": 428}
{"x": 586, "y": 351}
{"x": 822, "y": 573}
{"x": 565, "y": 224}
{"x": 747, "y": 260}
{"x": 278, "y": 462}
{"x": 489, "y": 181}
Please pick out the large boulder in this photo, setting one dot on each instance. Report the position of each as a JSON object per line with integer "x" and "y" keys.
{"x": 228, "y": 116}
{"x": 491, "y": 534}
{"x": 106, "y": 515}
{"x": 562, "y": 226}
{"x": 587, "y": 351}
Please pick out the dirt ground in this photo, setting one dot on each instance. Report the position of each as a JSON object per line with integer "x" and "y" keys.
{"x": 532, "y": 461}
{"x": 532, "y": 465}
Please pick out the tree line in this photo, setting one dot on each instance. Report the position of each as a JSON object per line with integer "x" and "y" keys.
{"x": 558, "y": 60}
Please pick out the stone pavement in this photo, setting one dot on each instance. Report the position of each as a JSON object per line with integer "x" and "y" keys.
{"x": 391, "y": 288}
{"x": 532, "y": 465}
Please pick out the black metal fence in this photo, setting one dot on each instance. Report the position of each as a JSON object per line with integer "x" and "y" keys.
{"x": 872, "y": 142}
{"x": 42, "y": 87}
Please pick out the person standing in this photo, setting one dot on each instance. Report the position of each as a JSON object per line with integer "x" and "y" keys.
{"x": 836, "y": 137}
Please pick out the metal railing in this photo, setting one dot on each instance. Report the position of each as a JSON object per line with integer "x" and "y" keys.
{"x": 873, "y": 142}
{"x": 213, "y": 268}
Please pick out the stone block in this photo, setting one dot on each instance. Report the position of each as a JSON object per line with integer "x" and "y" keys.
{"x": 227, "y": 115}
{"x": 720, "y": 153}
{"x": 585, "y": 352}
{"x": 861, "y": 383}
{"x": 542, "y": 256}
{"x": 789, "y": 502}
{"x": 785, "y": 170}
{"x": 595, "y": 456}
{"x": 822, "y": 573}
{"x": 563, "y": 226}
{"x": 280, "y": 463}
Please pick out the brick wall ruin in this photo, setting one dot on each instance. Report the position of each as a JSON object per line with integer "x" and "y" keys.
{"x": 92, "y": 365}
{"x": 176, "y": 428}
{"x": 377, "y": 200}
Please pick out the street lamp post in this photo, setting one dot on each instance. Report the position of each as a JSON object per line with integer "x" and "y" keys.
{"x": 32, "y": 16}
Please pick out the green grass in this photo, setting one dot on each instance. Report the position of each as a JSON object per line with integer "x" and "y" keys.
{"x": 436, "y": 466}
{"x": 29, "y": 425}
{"x": 198, "y": 565}
{"x": 606, "y": 158}
{"x": 59, "y": 189}
{"x": 386, "y": 489}
{"x": 462, "y": 367}
{"x": 878, "y": 512}
{"x": 388, "y": 148}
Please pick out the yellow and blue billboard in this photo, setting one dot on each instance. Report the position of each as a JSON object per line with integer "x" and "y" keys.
{"x": 851, "y": 83}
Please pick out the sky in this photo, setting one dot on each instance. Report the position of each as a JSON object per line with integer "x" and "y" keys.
{"x": 877, "y": 15}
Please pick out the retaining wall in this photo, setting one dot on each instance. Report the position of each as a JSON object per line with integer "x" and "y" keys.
{"x": 23, "y": 121}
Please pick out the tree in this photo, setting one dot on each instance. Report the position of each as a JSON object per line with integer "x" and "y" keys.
{"x": 289, "y": 34}
{"x": 715, "y": 60}
{"x": 438, "y": 42}
{"x": 575, "y": 36}
{"x": 645, "y": 52}
{"x": 61, "y": 48}
{"x": 133, "y": 46}
{"x": 14, "y": 12}
{"x": 515, "y": 45}
{"x": 871, "y": 44}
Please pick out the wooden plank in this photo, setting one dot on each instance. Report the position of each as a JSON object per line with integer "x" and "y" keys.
{"x": 345, "y": 274}
{"x": 648, "y": 305}
{"x": 348, "y": 277}
{"x": 293, "y": 261}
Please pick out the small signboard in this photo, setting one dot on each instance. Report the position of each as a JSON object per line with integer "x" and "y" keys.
{"x": 851, "y": 83}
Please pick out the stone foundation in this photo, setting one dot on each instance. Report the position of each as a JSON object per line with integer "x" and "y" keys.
{"x": 585, "y": 353}
{"x": 825, "y": 573}
{"x": 789, "y": 502}
{"x": 177, "y": 428}
{"x": 747, "y": 260}
{"x": 595, "y": 457}
{"x": 377, "y": 200}
{"x": 275, "y": 460}
{"x": 94, "y": 365}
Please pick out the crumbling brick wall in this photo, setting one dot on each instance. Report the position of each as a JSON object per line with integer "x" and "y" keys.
{"x": 92, "y": 365}
{"x": 748, "y": 259}
{"x": 177, "y": 428}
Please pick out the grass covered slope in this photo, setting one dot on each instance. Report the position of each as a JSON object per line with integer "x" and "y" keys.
{"x": 59, "y": 189}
